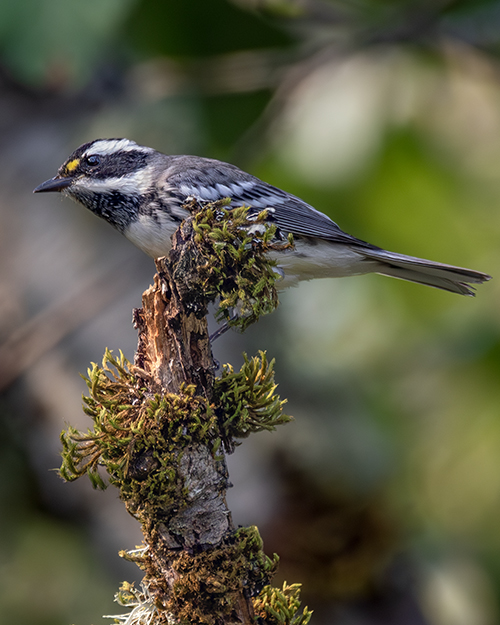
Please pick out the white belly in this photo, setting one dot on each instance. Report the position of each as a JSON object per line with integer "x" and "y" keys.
{"x": 323, "y": 260}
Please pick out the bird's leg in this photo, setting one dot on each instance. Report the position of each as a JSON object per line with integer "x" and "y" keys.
{"x": 223, "y": 328}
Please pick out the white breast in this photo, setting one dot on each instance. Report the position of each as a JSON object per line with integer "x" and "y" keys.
{"x": 152, "y": 236}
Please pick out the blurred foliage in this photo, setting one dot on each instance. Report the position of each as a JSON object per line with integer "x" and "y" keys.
{"x": 196, "y": 28}
{"x": 54, "y": 40}
{"x": 385, "y": 114}
{"x": 47, "y": 572}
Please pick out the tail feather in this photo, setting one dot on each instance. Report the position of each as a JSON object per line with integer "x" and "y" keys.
{"x": 437, "y": 275}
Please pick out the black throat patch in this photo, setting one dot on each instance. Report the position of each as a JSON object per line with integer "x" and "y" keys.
{"x": 118, "y": 209}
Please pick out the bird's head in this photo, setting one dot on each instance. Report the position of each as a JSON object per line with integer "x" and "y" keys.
{"x": 107, "y": 176}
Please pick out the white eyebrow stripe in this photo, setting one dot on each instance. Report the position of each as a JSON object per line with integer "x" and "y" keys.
{"x": 112, "y": 146}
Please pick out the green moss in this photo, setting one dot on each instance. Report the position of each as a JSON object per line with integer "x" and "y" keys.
{"x": 204, "y": 591}
{"x": 246, "y": 401}
{"x": 234, "y": 267}
{"x": 113, "y": 393}
{"x": 206, "y": 583}
{"x": 281, "y": 606}
{"x": 138, "y": 440}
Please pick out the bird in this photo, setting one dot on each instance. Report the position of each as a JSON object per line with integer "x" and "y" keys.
{"x": 143, "y": 194}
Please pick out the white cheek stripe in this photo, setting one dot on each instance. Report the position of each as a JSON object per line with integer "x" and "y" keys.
{"x": 132, "y": 184}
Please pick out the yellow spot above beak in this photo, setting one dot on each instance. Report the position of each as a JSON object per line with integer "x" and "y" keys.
{"x": 72, "y": 165}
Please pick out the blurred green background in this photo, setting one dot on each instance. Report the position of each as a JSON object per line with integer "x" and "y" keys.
{"x": 383, "y": 496}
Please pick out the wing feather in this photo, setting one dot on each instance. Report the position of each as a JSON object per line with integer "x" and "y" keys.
{"x": 208, "y": 180}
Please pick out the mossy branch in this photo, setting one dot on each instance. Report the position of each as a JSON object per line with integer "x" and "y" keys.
{"x": 162, "y": 424}
{"x": 127, "y": 423}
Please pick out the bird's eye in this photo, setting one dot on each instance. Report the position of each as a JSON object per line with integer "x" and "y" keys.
{"x": 92, "y": 160}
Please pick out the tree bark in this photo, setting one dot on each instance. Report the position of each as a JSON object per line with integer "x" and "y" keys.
{"x": 174, "y": 351}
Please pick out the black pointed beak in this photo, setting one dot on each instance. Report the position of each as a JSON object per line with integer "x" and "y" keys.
{"x": 54, "y": 184}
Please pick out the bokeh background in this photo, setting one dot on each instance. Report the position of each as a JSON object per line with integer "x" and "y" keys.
{"x": 383, "y": 496}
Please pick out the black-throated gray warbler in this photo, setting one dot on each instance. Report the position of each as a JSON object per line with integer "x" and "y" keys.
{"x": 141, "y": 193}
